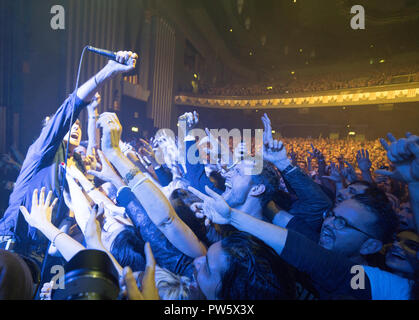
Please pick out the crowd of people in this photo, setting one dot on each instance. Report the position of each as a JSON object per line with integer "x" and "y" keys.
{"x": 296, "y": 83}
{"x": 301, "y": 219}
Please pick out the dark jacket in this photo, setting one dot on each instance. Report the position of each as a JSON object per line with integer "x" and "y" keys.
{"x": 41, "y": 168}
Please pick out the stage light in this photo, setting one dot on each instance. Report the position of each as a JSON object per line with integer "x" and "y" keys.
{"x": 134, "y": 129}
{"x": 273, "y": 131}
{"x": 292, "y": 72}
{"x": 382, "y": 61}
{"x": 231, "y": 30}
{"x": 352, "y": 133}
{"x": 269, "y": 88}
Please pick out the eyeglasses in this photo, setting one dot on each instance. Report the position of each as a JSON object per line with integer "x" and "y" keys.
{"x": 340, "y": 223}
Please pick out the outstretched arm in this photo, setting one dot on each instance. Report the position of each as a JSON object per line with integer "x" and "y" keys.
{"x": 40, "y": 218}
{"x": 153, "y": 200}
{"x": 329, "y": 271}
{"x": 404, "y": 154}
{"x": 312, "y": 201}
{"x": 125, "y": 62}
{"x": 91, "y": 124}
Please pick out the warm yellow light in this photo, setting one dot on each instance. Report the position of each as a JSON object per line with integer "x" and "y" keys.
{"x": 273, "y": 131}
{"x": 382, "y": 61}
{"x": 293, "y": 72}
{"x": 134, "y": 129}
{"x": 269, "y": 88}
{"x": 231, "y": 30}
{"x": 352, "y": 133}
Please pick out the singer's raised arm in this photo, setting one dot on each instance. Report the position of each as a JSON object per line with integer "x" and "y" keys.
{"x": 125, "y": 62}
{"x": 41, "y": 165}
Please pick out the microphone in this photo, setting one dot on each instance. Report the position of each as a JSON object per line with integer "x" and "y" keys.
{"x": 105, "y": 53}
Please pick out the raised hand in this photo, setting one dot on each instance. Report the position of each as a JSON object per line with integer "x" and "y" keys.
{"x": 294, "y": 157}
{"x": 93, "y": 231}
{"x": 125, "y": 62}
{"x": 316, "y": 154}
{"x": 92, "y": 107}
{"x": 404, "y": 154}
{"x": 273, "y": 150}
{"x": 309, "y": 161}
{"x": 41, "y": 209}
{"x": 335, "y": 174}
{"x": 363, "y": 159}
{"x": 191, "y": 119}
{"x": 267, "y": 132}
{"x": 148, "y": 284}
{"x": 108, "y": 174}
{"x": 112, "y": 131}
{"x": 349, "y": 173}
{"x": 214, "y": 208}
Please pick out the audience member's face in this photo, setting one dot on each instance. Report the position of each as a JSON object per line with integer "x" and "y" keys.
{"x": 349, "y": 192}
{"x": 238, "y": 183}
{"x": 82, "y": 151}
{"x": 75, "y": 134}
{"x": 404, "y": 249}
{"x": 347, "y": 240}
{"x": 209, "y": 270}
{"x": 406, "y": 218}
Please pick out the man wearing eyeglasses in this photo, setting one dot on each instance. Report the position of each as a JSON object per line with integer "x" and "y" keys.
{"x": 359, "y": 226}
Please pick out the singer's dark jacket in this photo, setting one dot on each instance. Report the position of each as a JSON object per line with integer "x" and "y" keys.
{"x": 41, "y": 168}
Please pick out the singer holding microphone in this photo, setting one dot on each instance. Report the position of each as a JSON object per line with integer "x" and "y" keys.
{"x": 41, "y": 168}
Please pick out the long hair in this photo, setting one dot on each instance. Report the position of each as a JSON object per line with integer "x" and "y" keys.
{"x": 128, "y": 249}
{"x": 255, "y": 271}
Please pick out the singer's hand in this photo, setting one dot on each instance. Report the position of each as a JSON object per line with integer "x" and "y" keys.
{"x": 125, "y": 62}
